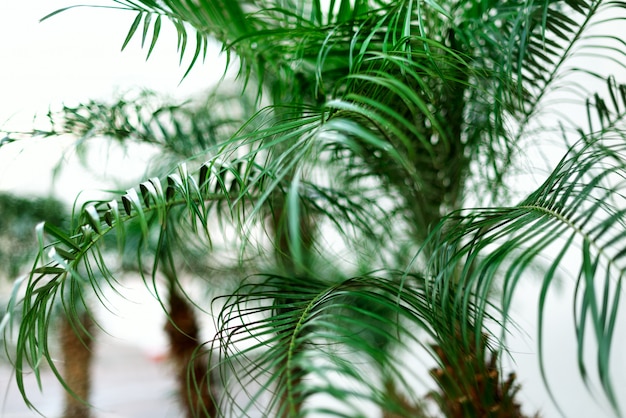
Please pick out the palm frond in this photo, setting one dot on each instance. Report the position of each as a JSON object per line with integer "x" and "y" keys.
{"x": 69, "y": 261}
{"x": 605, "y": 112}
{"x": 581, "y": 203}
{"x": 530, "y": 49}
{"x": 275, "y": 330}
{"x": 181, "y": 130}
{"x": 378, "y": 111}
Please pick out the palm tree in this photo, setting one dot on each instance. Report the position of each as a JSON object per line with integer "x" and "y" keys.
{"x": 20, "y": 215}
{"x": 385, "y": 121}
{"x": 177, "y": 131}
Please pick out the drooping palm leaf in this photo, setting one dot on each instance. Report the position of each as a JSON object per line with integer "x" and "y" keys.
{"x": 577, "y": 215}
{"x": 312, "y": 330}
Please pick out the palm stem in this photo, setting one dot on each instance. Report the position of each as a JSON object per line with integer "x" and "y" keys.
{"x": 196, "y": 385}
{"x": 76, "y": 345}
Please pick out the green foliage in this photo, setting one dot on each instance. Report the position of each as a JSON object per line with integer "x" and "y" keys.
{"x": 579, "y": 209}
{"x": 343, "y": 185}
{"x": 19, "y": 216}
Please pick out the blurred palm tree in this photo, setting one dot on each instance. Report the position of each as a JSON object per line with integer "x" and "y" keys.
{"x": 19, "y": 217}
{"x": 351, "y": 191}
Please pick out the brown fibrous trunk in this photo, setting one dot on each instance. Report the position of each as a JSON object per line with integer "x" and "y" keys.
{"x": 76, "y": 346}
{"x": 471, "y": 385}
{"x": 195, "y": 383}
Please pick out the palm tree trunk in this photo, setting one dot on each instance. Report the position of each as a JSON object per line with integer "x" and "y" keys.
{"x": 76, "y": 345}
{"x": 470, "y": 383}
{"x": 196, "y": 384}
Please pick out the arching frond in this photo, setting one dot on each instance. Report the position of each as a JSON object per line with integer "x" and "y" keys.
{"x": 605, "y": 110}
{"x": 300, "y": 338}
{"x": 578, "y": 215}
{"x": 180, "y": 131}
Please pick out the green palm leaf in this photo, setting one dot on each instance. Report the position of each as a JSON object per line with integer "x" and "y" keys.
{"x": 579, "y": 203}
{"x": 309, "y": 327}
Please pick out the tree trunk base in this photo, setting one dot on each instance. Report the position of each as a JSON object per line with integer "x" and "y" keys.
{"x": 76, "y": 344}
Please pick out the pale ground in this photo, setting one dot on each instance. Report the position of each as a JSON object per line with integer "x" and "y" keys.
{"x": 131, "y": 376}
{"x": 127, "y": 383}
